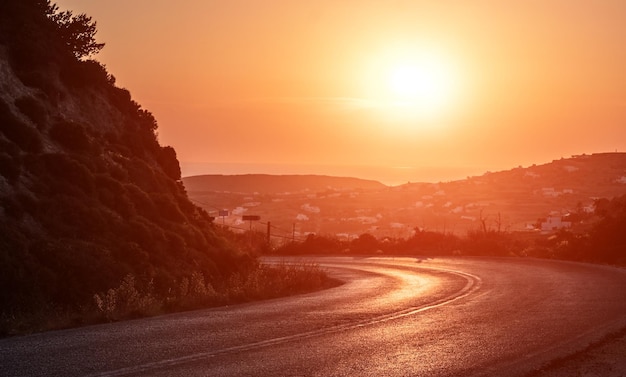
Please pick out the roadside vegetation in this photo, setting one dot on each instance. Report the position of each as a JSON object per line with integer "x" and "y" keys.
{"x": 138, "y": 297}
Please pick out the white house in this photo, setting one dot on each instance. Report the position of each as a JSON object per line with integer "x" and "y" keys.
{"x": 554, "y": 223}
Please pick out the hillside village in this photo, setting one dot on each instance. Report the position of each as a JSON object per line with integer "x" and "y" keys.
{"x": 539, "y": 198}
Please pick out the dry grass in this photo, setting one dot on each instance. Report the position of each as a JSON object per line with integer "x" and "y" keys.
{"x": 137, "y": 299}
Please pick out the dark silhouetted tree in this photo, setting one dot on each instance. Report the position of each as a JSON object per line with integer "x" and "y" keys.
{"x": 77, "y": 32}
{"x": 366, "y": 243}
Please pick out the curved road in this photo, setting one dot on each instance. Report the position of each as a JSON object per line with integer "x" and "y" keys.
{"x": 392, "y": 317}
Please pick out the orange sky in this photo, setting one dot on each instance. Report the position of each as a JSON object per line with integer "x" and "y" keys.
{"x": 288, "y": 86}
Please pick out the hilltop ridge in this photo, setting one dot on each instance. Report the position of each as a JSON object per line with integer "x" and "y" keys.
{"x": 266, "y": 183}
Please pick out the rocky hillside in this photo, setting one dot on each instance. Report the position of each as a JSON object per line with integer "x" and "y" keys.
{"x": 87, "y": 193}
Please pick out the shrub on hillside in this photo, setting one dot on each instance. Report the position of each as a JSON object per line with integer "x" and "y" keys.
{"x": 24, "y": 136}
{"x": 142, "y": 174}
{"x": 167, "y": 208}
{"x": 70, "y": 135}
{"x": 11, "y": 207}
{"x": 66, "y": 215}
{"x": 146, "y": 234}
{"x": 34, "y": 110}
{"x": 77, "y": 268}
{"x": 122, "y": 100}
{"x": 10, "y": 167}
{"x": 142, "y": 202}
{"x": 112, "y": 193}
{"x": 20, "y": 274}
{"x": 42, "y": 81}
{"x": 83, "y": 74}
{"x": 67, "y": 173}
{"x": 169, "y": 163}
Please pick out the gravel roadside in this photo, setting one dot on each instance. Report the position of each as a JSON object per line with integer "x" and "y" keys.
{"x": 606, "y": 358}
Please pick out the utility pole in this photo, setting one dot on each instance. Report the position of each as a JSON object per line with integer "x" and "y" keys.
{"x": 268, "y": 231}
{"x": 251, "y": 218}
{"x": 293, "y": 235}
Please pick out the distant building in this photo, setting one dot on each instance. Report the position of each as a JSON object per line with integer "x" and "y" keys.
{"x": 549, "y": 191}
{"x": 553, "y": 223}
{"x": 532, "y": 174}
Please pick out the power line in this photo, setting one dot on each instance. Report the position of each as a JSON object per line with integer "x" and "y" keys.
{"x": 207, "y": 204}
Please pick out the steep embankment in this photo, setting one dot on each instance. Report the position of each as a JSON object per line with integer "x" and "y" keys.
{"x": 87, "y": 194}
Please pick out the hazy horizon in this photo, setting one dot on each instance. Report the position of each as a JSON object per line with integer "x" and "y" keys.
{"x": 388, "y": 175}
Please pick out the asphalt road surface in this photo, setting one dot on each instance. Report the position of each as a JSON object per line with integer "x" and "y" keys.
{"x": 392, "y": 317}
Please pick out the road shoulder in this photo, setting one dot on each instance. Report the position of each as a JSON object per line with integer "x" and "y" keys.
{"x": 606, "y": 358}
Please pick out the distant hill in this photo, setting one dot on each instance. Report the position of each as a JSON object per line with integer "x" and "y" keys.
{"x": 586, "y": 176}
{"x": 265, "y": 183}
{"x": 510, "y": 200}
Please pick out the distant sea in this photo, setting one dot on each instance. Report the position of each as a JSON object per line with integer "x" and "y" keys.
{"x": 391, "y": 176}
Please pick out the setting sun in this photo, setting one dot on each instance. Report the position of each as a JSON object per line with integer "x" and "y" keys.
{"x": 413, "y": 83}
{"x": 423, "y": 84}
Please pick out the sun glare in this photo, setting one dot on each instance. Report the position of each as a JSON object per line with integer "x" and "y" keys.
{"x": 413, "y": 85}
{"x": 424, "y": 85}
